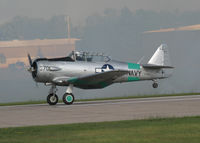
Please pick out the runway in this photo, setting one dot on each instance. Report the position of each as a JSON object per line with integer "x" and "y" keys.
{"x": 98, "y": 111}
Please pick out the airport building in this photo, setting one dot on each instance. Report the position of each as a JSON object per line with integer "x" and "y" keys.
{"x": 15, "y": 52}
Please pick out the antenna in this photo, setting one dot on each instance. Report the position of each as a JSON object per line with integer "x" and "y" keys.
{"x": 67, "y": 18}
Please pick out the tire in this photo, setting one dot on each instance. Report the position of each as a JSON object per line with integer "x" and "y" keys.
{"x": 155, "y": 85}
{"x": 68, "y": 98}
{"x": 52, "y": 100}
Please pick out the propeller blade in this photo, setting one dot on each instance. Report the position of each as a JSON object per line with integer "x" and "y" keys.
{"x": 30, "y": 60}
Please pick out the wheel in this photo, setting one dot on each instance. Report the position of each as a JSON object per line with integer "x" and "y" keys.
{"x": 155, "y": 85}
{"x": 52, "y": 99}
{"x": 68, "y": 98}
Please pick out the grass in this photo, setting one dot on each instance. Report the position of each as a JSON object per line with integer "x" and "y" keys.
{"x": 169, "y": 130}
{"x": 22, "y": 103}
{"x": 99, "y": 99}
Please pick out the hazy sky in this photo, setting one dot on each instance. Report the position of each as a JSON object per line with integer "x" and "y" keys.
{"x": 80, "y": 9}
{"x": 184, "y": 79}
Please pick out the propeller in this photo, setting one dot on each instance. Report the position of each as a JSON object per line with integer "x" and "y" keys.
{"x": 30, "y": 60}
{"x": 30, "y": 68}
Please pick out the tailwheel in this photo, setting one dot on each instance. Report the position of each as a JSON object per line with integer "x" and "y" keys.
{"x": 155, "y": 85}
{"x": 52, "y": 99}
{"x": 68, "y": 98}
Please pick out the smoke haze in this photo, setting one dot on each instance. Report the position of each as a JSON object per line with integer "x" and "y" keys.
{"x": 79, "y": 10}
{"x": 116, "y": 27}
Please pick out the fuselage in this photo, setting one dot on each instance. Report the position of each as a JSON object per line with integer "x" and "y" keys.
{"x": 47, "y": 71}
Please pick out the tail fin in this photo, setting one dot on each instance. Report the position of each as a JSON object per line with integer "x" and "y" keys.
{"x": 160, "y": 57}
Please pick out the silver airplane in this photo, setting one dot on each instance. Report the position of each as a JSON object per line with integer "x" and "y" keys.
{"x": 94, "y": 71}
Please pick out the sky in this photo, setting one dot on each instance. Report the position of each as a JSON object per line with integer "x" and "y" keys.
{"x": 78, "y": 10}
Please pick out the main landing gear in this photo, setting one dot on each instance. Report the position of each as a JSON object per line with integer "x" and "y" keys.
{"x": 155, "y": 84}
{"x": 68, "y": 97}
{"x": 52, "y": 98}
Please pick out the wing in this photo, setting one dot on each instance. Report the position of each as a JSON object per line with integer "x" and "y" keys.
{"x": 98, "y": 80}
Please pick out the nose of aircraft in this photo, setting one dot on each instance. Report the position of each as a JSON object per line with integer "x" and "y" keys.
{"x": 33, "y": 67}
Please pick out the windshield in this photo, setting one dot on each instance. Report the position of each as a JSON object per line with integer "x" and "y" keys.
{"x": 84, "y": 56}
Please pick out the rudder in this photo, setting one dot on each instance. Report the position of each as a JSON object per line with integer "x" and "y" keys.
{"x": 160, "y": 57}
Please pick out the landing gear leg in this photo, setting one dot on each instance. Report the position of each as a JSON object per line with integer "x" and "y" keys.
{"x": 52, "y": 98}
{"x": 68, "y": 97}
{"x": 155, "y": 84}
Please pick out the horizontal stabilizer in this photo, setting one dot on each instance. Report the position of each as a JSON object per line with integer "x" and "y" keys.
{"x": 151, "y": 66}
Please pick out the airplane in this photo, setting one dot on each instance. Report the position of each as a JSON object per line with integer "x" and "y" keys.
{"x": 94, "y": 71}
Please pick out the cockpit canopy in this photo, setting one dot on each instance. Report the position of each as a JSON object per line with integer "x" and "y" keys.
{"x": 88, "y": 57}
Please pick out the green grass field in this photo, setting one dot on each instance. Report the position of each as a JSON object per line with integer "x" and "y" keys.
{"x": 170, "y": 130}
{"x": 111, "y": 98}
